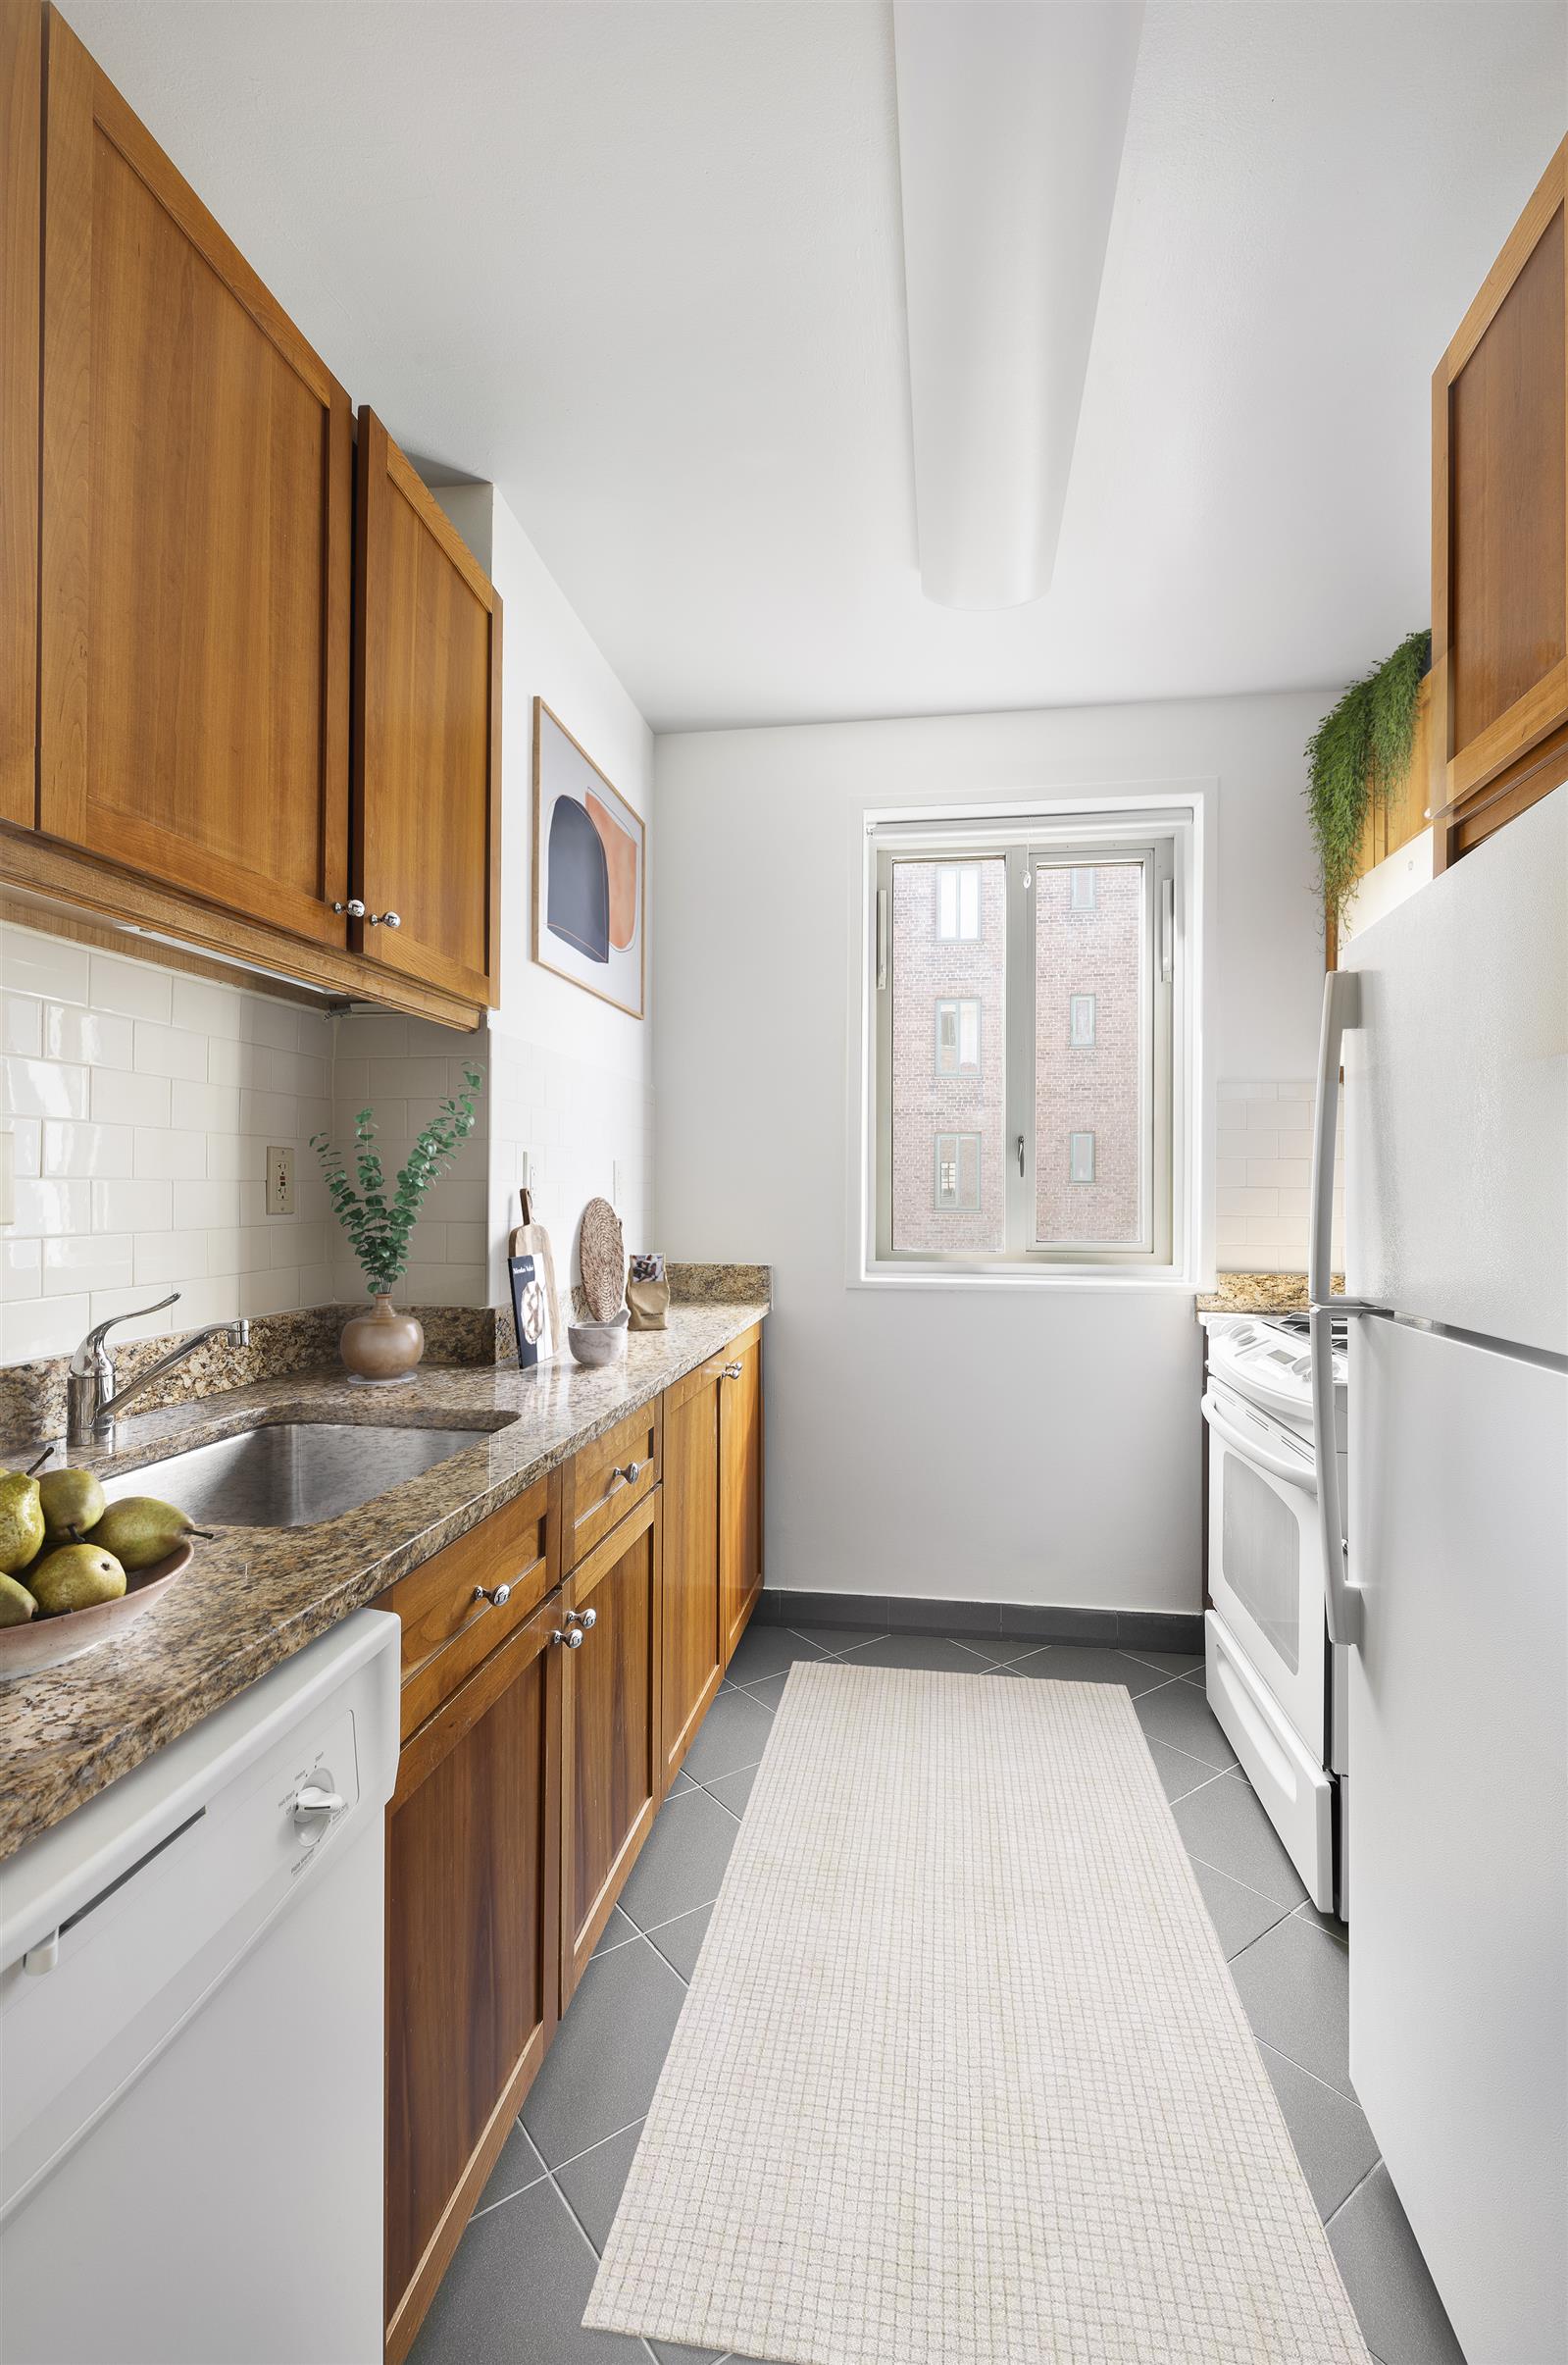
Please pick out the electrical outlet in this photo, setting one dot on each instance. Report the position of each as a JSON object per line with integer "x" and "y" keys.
{"x": 281, "y": 1179}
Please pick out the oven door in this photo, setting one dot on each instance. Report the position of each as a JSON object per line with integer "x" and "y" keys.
{"x": 1266, "y": 1558}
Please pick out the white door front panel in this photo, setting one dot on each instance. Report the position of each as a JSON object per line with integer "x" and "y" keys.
{"x": 1459, "y": 1536}
{"x": 1456, "y": 1094}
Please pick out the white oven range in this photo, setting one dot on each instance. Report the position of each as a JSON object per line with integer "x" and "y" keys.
{"x": 1275, "y": 1680}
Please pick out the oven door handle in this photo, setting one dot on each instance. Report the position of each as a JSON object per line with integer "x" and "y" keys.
{"x": 1253, "y": 1449}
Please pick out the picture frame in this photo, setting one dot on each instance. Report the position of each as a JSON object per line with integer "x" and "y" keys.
{"x": 590, "y": 863}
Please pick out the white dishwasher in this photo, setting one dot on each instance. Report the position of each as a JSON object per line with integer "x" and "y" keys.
{"x": 191, "y": 1986}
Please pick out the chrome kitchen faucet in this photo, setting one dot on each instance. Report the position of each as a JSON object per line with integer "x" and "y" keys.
{"x": 91, "y": 1397}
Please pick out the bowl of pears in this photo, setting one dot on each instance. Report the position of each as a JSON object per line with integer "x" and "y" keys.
{"x": 77, "y": 1570}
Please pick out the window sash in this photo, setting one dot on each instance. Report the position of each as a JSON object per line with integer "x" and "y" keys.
{"x": 1024, "y": 853}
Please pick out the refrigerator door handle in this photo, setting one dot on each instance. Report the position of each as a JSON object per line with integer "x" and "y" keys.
{"x": 1341, "y": 1011}
{"x": 1343, "y": 1598}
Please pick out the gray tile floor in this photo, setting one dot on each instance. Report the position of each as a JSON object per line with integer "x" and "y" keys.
{"x": 516, "y": 2290}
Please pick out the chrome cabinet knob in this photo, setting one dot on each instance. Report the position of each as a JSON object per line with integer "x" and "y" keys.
{"x": 353, "y": 908}
{"x": 499, "y": 1598}
{"x": 314, "y": 1807}
{"x": 630, "y": 1474}
{"x": 573, "y": 1641}
{"x": 733, "y": 1371}
{"x": 384, "y": 919}
{"x": 582, "y": 1617}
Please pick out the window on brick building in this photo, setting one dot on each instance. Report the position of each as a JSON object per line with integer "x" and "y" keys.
{"x": 958, "y": 1172}
{"x": 1058, "y": 1148}
{"x": 958, "y": 1037}
{"x": 958, "y": 903}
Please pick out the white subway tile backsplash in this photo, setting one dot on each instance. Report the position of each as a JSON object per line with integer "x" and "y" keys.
{"x": 135, "y": 989}
{"x": 42, "y": 1087}
{"x": 132, "y": 1206}
{"x": 96, "y": 1038}
{"x": 1263, "y": 1176}
{"x": 203, "y": 1205}
{"x": 45, "y": 965}
{"x": 20, "y": 1025}
{"x": 164, "y": 1153}
{"x": 88, "y": 1260}
{"x": 171, "y": 1050}
{"x": 26, "y": 1145}
{"x": 48, "y": 1206}
{"x": 204, "y": 1009}
{"x": 20, "y": 1269}
{"x": 42, "y": 1326}
{"x": 72, "y": 1147}
{"x": 119, "y": 1097}
{"x": 171, "y": 1256}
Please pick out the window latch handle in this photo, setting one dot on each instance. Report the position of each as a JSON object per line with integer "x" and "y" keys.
{"x": 1020, "y": 1158}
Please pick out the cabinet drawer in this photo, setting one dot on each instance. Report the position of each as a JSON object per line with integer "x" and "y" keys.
{"x": 448, "y": 1626}
{"x": 600, "y": 1487}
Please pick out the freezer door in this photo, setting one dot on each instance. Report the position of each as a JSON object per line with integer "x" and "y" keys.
{"x": 1456, "y": 1094}
{"x": 1459, "y": 1758}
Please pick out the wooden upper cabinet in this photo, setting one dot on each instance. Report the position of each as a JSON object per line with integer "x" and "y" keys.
{"x": 427, "y": 733}
{"x": 21, "y": 198}
{"x": 197, "y": 514}
{"x": 1499, "y": 514}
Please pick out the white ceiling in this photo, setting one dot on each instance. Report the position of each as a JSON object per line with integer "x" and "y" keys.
{"x": 642, "y": 264}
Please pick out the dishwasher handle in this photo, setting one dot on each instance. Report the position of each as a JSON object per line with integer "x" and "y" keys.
{"x": 1253, "y": 1449}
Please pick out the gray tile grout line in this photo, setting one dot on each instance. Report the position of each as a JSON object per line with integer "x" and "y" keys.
{"x": 1265, "y": 2045}
{"x": 1355, "y": 2188}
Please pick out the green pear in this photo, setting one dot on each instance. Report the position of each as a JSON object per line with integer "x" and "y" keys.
{"x": 22, "y": 1526}
{"x": 17, "y": 1604}
{"x": 75, "y": 1577}
{"x": 73, "y": 1502}
{"x": 139, "y": 1530}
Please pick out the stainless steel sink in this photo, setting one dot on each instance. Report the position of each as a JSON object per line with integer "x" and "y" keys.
{"x": 291, "y": 1474}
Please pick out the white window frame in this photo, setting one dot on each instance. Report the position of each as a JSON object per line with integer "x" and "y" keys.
{"x": 1177, "y": 1248}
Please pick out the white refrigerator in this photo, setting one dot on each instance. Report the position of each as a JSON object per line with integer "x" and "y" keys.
{"x": 1448, "y": 1567}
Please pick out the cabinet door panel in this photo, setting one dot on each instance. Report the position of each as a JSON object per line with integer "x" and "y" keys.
{"x": 610, "y": 1730}
{"x": 20, "y": 197}
{"x": 1500, "y": 508}
{"x": 196, "y": 520}
{"x": 739, "y": 1488}
{"x": 428, "y": 695}
{"x": 693, "y": 1648}
{"x": 473, "y": 1869}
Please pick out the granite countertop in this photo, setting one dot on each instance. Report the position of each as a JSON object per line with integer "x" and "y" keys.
{"x": 1260, "y": 1292}
{"x": 256, "y": 1595}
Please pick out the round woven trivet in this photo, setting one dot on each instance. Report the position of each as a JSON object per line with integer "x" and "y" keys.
{"x": 602, "y": 1252}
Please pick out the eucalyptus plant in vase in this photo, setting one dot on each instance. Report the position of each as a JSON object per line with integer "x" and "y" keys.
{"x": 383, "y": 1343}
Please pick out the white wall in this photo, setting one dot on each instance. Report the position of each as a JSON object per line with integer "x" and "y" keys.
{"x": 571, "y": 1080}
{"x": 1024, "y": 1446}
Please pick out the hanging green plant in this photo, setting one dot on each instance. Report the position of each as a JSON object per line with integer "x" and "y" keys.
{"x": 1357, "y": 752}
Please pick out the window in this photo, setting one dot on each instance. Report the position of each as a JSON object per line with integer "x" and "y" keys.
{"x": 958, "y": 1172}
{"x": 1056, "y": 1148}
{"x": 957, "y": 902}
{"x": 958, "y": 1037}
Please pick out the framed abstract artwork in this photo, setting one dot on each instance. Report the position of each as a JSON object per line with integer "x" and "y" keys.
{"x": 590, "y": 871}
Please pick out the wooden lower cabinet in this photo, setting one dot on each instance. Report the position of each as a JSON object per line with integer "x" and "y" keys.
{"x": 473, "y": 1888}
{"x": 692, "y": 1644}
{"x": 611, "y": 1756}
{"x": 740, "y": 1487}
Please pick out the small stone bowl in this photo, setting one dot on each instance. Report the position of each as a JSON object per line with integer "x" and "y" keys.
{"x": 595, "y": 1344}
{"x": 50, "y": 1641}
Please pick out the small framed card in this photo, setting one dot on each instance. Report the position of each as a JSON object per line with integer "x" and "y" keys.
{"x": 531, "y": 1310}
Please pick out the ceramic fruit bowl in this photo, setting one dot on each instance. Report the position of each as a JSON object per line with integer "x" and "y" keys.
{"x": 598, "y": 1343}
{"x": 50, "y": 1641}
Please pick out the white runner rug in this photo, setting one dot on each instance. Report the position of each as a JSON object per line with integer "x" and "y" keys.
{"x": 962, "y": 2077}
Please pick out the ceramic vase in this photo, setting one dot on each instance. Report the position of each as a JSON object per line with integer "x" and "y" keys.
{"x": 381, "y": 1344}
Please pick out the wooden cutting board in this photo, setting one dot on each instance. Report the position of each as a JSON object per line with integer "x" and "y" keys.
{"x": 602, "y": 1253}
{"x": 530, "y": 1239}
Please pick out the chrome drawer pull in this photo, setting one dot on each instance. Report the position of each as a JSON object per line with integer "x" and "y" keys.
{"x": 630, "y": 1476}
{"x": 384, "y": 919}
{"x": 500, "y": 1597}
{"x": 733, "y": 1371}
{"x": 573, "y": 1641}
{"x": 354, "y": 908}
{"x": 582, "y": 1617}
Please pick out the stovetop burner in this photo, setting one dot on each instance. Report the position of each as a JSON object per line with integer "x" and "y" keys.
{"x": 1301, "y": 1326}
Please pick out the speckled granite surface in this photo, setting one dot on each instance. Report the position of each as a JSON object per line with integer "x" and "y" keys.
{"x": 32, "y": 1396}
{"x": 1260, "y": 1292}
{"x": 256, "y": 1595}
